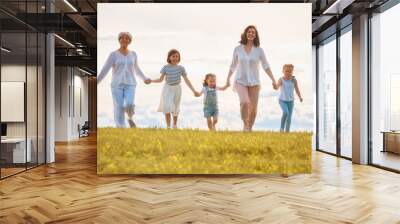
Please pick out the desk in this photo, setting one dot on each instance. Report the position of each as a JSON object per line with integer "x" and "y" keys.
{"x": 391, "y": 141}
{"x": 13, "y": 150}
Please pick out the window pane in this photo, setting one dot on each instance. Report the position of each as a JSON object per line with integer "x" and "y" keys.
{"x": 327, "y": 96}
{"x": 14, "y": 153}
{"x": 386, "y": 88}
{"x": 346, "y": 93}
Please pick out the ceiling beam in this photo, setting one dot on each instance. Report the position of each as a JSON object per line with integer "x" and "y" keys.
{"x": 78, "y": 61}
{"x": 337, "y": 6}
{"x": 84, "y": 24}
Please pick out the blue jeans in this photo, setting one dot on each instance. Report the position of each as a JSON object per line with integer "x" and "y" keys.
{"x": 287, "y": 109}
{"x": 124, "y": 101}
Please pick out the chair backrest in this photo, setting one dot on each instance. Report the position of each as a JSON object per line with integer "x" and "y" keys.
{"x": 86, "y": 125}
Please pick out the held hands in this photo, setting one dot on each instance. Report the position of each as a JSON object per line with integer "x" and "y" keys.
{"x": 274, "y": 85}
{"x": 147, "y": 81}
{"x": 228, "y": 82}
{"x": 224, "y": 87}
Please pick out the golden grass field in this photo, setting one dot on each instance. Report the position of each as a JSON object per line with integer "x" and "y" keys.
{"x": 162, "y": 151}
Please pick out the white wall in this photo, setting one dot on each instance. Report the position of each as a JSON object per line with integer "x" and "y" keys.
{"x": 69, "y": 85}
{"x": 16, "y": 73}
{"x": 62, "y": 81}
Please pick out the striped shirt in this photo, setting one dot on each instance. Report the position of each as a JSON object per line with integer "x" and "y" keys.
{"x": 173, "y": 74}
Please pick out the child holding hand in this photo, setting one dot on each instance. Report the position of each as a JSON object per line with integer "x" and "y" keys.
{"x": 172, "y": 91}
{"x": 287, "y": 83}
{"x": 210, "y": 101}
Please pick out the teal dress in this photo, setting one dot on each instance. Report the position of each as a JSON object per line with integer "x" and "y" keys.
{"x": 210, "y": 108}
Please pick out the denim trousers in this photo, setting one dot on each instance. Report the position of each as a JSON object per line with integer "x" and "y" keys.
{"x": 287, "y": 110}
{"x": 124, "y": 101}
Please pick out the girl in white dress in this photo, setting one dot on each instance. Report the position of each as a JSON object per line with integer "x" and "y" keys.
{"x": 172, "y": 91}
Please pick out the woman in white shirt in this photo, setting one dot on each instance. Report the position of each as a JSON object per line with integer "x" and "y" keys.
{"x": 246, "y": 62}
{"x": 124, "y": 66}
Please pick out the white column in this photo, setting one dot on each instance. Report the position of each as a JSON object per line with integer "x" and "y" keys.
{"x": 50, "y": 100}
{"x": 50, "y": 92}
{"x": 360, "y": 90}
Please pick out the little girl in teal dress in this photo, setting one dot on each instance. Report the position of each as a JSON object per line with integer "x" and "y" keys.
{"x": 210, "y": 102}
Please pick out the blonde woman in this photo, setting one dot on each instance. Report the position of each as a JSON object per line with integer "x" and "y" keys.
{"x": 246, "y": 61}
{"x": 124, "y": 64}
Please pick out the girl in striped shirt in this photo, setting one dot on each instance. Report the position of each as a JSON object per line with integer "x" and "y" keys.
{"x": 171, "y": 93}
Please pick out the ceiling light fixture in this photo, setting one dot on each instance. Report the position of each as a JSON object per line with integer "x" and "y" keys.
{"x": 84, "y": 71}
{"x": 5, "y": 50}
{"x": 64, "y": 40}
{"x": 70, "y": 5}
{"x": 337, "y": 7}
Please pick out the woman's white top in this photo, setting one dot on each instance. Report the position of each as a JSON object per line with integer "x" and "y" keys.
{"x": 247, "y": 65}
{"x": 123, "y": 69}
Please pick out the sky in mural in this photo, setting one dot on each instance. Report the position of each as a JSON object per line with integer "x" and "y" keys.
{"x": 205, "y": 35}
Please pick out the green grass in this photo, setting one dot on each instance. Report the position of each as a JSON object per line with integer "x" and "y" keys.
{"x": 161, "y": 151}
